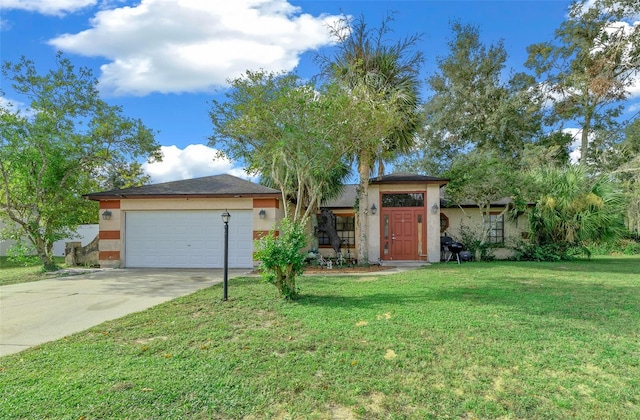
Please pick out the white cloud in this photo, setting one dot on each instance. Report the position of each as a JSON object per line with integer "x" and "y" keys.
{"x": 7, "y": 104}
{"x": 195, "y": 45}
{"x": 5, "y": 25}
{"x": 16, "y": 107}
{"x": 622, "y": 30}
{"x": 574, "y": 147}
{"x": 196, "y": 160}
{"x": 48, "y": 7}
{"x": 631, "y": 11}
{"x": 634, "y": 89}
{"x": 633, "y": 108}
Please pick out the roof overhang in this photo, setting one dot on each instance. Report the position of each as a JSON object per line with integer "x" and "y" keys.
{"x": 105, "y": 197}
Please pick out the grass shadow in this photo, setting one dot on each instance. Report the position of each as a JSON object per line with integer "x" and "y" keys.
{"x": 600, "y": 264}
{"x": 615, "y": 305}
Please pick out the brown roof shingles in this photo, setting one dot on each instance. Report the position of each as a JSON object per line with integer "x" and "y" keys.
{"x": 402, "y": 178}
{"x": 211, "y": 186}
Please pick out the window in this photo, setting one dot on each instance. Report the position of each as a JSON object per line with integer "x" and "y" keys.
{"x": 346, "y": 228}
{"x": 496, "y": 229}
{"x": 444, "y": 223}
{"x": 403, "y": 200}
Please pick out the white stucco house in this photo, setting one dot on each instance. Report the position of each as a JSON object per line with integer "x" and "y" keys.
{"x": 178, "y": 224}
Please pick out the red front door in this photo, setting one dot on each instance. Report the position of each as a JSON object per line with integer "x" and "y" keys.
{"x": 403, "y": 232}
{"x": 403, "y": 235}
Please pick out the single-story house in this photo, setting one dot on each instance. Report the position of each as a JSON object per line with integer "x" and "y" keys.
{"x": 178, "y": 224}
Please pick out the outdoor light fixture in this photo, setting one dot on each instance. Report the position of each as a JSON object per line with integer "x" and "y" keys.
{"x": 435, "y": 208}
{"x": 262, "y": 214}
{"x": 226, "y": 216}
{"x": 225, "y": 282}
{"x": 106, "y": 215}
{"x": 374, "y": 209}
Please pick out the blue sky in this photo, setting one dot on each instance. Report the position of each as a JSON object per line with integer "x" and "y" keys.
{"x": 164, "y": 60}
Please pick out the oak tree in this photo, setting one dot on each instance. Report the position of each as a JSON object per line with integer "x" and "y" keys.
{"x": 474, "y": 104}
{"x": 50, "y": 151}
{"x": 587, "y": 69}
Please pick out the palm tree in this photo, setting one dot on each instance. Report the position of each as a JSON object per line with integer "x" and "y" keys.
{"x": 575, "y": 208}
{"x": 385, "y": 78}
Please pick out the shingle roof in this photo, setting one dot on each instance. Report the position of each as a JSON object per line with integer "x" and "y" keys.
{"x": 346, "y": 200}
{"x": 210, "y": 186}
{"x": 408, "y": 178}
{"x": 348, "y": 197}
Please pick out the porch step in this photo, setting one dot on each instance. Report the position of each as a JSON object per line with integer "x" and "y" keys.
{"x": 400, "y": 264}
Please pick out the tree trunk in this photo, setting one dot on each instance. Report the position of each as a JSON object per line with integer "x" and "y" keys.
{"x": 584, "y": 138}
{"x": 45, "y": 253}
{"x": 290, "y": 283}
{"x": 363, "y": 211}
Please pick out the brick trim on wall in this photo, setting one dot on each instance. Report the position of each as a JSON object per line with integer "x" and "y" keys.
{"x": 110, "y": 204}
{"x": 257, "y": 234}
{"x": 109, "y": 255}
{"x": 271, "y": 203}
{"x": 109, "y": 234}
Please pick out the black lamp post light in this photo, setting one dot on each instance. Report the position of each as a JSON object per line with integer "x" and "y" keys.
{"x": 225, "y": 282}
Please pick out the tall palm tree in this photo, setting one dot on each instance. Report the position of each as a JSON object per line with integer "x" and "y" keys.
{"x": 386, "y": 77}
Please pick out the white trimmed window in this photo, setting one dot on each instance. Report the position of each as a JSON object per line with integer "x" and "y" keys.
{"x": 495, "y": 224}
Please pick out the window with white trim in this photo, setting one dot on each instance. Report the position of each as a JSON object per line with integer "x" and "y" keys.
{"x": 495, "y": 224}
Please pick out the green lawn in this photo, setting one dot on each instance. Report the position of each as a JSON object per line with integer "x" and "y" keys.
{"x": 12, "y": 273}
{"x": 479, "y": 340}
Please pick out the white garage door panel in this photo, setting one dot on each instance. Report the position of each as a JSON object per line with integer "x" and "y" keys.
{"x": 187, "y": 239}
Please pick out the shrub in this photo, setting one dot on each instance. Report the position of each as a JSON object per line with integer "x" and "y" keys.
{"x": 575, "y": 208}
{"x": 280, "y": 256}
{"x": 22, "y": 254}
{"x": 529, "y": 251}
{"x": 472, "y": 243}
{"x": 626, "y": 246}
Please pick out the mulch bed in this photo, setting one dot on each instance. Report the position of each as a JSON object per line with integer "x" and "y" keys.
{"x": 345, "y": 269}
{"x": 341, "y": 270}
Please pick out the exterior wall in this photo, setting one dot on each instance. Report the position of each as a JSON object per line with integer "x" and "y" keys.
{"x": 112, "y": 231}
{"x": 433, "y": 223}
{"x": 327, "y": 251}
{"x": 472, "y": 218}
{"x": 432, "y": 252}
{"x": 273, "y": 213}
{"x": 187, "y": 204}
{"x": 374, "y": 223}
{"x": 110, "y": 245}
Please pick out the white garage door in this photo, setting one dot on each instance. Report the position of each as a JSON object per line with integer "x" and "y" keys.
{"x": 187, "y": 239}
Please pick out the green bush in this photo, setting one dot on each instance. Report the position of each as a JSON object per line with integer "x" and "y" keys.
{"x": 280, "y": 256}
{"x": 629, "y": 247}
{"x": 472, "y": 243}
{"x": 22, "y": 254}
{"x": 529, "y": 251}
{"x": 626, "y": 246}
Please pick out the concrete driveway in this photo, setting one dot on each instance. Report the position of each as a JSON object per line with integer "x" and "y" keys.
{"x": 37, "y": 312}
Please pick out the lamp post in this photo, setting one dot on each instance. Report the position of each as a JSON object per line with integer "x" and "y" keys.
{"x": 225, "y": 282}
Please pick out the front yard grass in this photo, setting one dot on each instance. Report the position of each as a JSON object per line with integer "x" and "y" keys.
{"x": 478, "y": 340}
{"x": 12, "y": 273}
